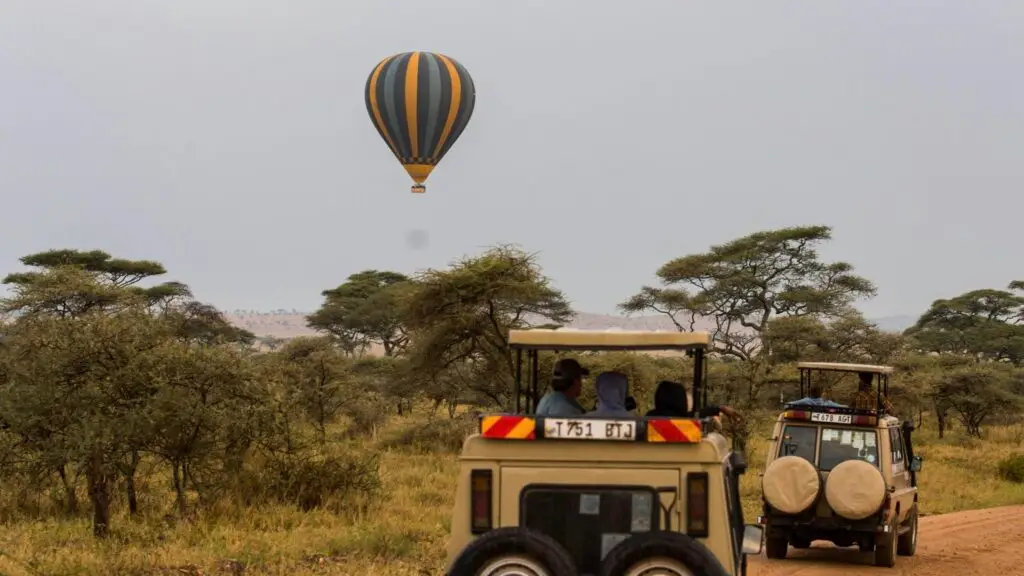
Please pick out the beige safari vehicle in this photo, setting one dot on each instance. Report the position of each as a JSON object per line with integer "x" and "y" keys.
{"x": 845, "y": 475}
{"x": 633, "y": 496}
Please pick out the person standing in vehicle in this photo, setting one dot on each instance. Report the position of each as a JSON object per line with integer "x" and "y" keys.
{"x": 566, "y": 384}
{"x": 865, "y": 398}
{"x": 670, "y": 400}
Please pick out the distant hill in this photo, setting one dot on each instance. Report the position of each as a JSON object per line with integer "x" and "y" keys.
{"x": 286, "y": 324}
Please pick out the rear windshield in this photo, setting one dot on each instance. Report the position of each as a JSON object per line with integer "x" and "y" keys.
{"x": 799, "y": 441}
{"x": 839, "y": 445}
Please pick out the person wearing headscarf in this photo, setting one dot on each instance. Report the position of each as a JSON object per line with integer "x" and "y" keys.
{"x": 611, "y": 395}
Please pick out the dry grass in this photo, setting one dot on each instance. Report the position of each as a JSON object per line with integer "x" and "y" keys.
{"x": 406, "y": 532}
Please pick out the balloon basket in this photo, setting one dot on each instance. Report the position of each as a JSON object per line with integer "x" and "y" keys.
{"x": 418, "y": 189}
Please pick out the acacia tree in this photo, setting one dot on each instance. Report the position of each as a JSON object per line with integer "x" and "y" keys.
{"x": 460, "y": 318}
{"x": 76, "y": 387}
{"x": 742, "y": 285}
{"x": 987, "y": 324}
{"x": 849, "y": 338}
{"x": 69, "y": 285}
{"x": 364, "y": 310}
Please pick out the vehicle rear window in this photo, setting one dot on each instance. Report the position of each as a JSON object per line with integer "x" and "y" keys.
{"x": 589, "y": 520}
{"x": 799, "y": 441}
{"x": 841, "y": 444}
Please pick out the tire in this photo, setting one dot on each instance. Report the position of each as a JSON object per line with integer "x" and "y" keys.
{"x": 855, "y": 490}
{"x": 514, "y": 551}
{"x": 906, "y": 545}
{"x": 661, "y": 553}
{"x": 885, "y": 547}
{"x": 775, "y": 547}
{"x": 791, "y": 485}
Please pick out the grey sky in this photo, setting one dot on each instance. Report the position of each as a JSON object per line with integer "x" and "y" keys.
{"x": 229, "y": 139}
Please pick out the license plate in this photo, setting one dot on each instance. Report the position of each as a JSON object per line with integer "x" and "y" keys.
{"x": 831, "y": 418}
{"x": 569, "y": 429}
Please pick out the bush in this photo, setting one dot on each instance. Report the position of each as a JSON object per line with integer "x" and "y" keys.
{"x": 311, "y": 483}
{"x": 1011, "y": 469}
{"x": 442, "y": 435}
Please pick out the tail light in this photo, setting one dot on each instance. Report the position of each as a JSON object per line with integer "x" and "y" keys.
{"x": 697, "y": 504}
{"x": 480, "y": 501}
{"x": 886, "y": 502}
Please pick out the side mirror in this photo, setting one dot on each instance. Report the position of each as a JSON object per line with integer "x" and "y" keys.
{"x": 753, "y": 538}
{"x": 915, "y": 464}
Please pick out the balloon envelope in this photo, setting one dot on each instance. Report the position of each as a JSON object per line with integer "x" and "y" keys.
{"x": 420, "y": 102}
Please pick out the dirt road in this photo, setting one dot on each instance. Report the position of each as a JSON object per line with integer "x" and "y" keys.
{"x": 974, "y": 543}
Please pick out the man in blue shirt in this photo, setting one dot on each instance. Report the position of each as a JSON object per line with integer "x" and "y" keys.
{"x": 566, "y": 384}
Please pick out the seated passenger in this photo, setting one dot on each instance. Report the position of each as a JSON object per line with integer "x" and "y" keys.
{"x": 566, "y": 384}
{"x": 611, "y": 395}
{"x": 670, "y": 400}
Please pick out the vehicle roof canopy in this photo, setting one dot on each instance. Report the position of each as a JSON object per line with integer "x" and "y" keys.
{"x": 839, "y": 367}
{"x": 547, "y": 339}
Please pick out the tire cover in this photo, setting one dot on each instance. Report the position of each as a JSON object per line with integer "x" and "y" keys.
{"x": 791, "y": 484}
{"x": 855, "y": 489}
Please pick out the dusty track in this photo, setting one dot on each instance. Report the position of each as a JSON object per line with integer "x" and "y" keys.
{"x": 974, "y": 543}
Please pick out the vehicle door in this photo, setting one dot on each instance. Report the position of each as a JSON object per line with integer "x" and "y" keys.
{"x": 902, "y": 492}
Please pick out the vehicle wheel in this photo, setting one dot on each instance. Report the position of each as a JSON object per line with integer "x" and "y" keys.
{"x": 907, "y": 543}
{"x": 514, "y": 552}
{"x": 776, "y": 547}
{"x": 885, "y": 547}
{"x": 661, "y": 554}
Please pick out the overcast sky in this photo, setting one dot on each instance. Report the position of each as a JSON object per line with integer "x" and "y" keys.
{"x": 229, "y": 140}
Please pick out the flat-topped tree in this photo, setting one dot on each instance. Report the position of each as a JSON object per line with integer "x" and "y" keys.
{"x": 108, "y": 272}
{"x": 69, "y": 283}
{"x": 365, "y": 309}
{"x": 986, "y": 323}
{"x": 741, "y": 285}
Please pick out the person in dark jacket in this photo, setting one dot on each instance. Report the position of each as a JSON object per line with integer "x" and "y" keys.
{"x": 671, "y": 400}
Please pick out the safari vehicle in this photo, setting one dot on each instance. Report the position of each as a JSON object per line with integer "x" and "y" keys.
{"x": 632, "y": 496}
{"x": 841, "y": 474}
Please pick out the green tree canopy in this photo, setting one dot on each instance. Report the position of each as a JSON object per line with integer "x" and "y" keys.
{"x": 366, "y": 309}
{"x": 460, "y": 318}
{"x": 742, "y": 285}
{"x": 984, "y": 323}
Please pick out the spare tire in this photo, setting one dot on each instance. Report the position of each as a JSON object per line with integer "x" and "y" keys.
{"x": 855, "y": 489}
{"x": 514, "y": 551}
{"x": 791, "y": 484}
{"x": 661, "y": 553}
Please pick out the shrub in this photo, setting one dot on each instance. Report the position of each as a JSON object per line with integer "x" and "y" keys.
{"x": 1011, "y": 468}
{"x": 315, "y": 482}
{"x": 441, "y": 435}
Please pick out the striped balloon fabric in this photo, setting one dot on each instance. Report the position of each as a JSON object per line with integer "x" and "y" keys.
{"x": 420, "y": 103}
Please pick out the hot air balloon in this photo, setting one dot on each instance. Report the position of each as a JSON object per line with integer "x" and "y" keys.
{"x": 420, "y": 102}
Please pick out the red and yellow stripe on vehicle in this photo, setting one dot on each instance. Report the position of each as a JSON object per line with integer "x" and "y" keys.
{"x": 675, "y": 430}
{"x": 508, "y": 427}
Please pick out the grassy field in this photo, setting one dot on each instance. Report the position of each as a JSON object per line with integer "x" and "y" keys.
{"x": 405, "y": 532}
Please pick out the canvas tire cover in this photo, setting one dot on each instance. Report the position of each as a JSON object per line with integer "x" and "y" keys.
{"x": 791, "y": 484}
{"x": 855, "y": 489}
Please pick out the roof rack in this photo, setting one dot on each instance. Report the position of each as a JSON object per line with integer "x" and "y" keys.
{"x": 827, "y": 409}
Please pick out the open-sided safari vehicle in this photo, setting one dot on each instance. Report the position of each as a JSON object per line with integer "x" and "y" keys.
{"x": 635, "y": 496}
{"x": 842, "y": 474}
